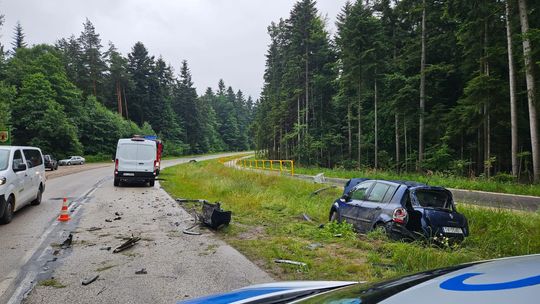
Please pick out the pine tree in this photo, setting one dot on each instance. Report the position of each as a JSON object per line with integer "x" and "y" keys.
{"x": 18, "y": 37}
{"x": 140, "y": 68}
{"x": 93, "y": 64}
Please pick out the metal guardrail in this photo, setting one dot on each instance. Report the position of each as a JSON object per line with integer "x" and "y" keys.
{"x": 280, "y": 165}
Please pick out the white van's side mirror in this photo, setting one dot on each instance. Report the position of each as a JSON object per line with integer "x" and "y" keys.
{"x": 20, "y": 167}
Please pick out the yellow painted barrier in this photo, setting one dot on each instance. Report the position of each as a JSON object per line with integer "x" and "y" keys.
{"x": 285, "y": 166}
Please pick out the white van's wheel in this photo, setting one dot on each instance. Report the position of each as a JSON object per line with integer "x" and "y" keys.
{"x": 39, "y": 196}
{"x": 116, "y": 182}
{"x": 152, "y": 183}
{"x": 8, "y": 213}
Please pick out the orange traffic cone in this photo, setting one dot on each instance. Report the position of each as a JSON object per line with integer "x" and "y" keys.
{"x": 64, "y": 215}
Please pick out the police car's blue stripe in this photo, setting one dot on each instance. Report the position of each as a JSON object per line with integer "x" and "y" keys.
{"x": 234, "y": 296}
{"x": 458, "y": 283}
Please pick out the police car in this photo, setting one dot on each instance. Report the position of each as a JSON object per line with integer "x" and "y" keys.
{"x": 507, "y": 280}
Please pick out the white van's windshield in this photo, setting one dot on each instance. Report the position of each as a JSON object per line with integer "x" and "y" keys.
{"x": 4, "y": 159}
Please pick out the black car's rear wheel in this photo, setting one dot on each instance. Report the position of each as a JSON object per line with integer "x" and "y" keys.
{"x": 335, "y": 216}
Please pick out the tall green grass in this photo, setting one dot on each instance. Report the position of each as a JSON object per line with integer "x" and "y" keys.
{"x": 268, "y": 224}
{"x": 437, "y": 179}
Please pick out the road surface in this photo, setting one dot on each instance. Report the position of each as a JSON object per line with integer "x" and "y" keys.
{"x": 178, "y": 266}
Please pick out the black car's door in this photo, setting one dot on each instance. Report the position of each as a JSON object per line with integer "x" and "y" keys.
{"x": 374, "y": 203}
{"x": 357, "y": 195}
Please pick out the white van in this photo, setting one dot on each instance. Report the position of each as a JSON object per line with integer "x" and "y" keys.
{"x": 22, "y": 179}
{"x": 136, "y": 161}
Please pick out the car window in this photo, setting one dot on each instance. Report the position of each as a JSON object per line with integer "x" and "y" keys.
{"x": 4, "y": 159}
{"x": 17, "y": 159}
{"x": 389, "y": 194}
{"x": 433, "y": 198}
{"x": 378, "y": 192}
{"x": 359, "y": 193}
{"x": 33, "y": 157}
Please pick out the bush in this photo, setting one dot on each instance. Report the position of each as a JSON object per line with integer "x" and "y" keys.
{"x": 502, "y": 177}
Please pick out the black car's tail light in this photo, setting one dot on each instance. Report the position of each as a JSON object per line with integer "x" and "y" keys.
{"x": 400, "y": 216}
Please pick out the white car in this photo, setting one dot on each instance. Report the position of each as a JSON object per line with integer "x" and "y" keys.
{"x": 72, "y": 160}
{"x": 22, "y": 179}
{"x": 136, "y": 161}
{"x": 507, "y": 280}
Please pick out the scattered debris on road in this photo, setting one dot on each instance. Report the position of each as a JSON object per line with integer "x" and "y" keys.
{"x": 314, "y": 246}
{"x": 101, "y": 291}
{"x": 93, "y": 229}
{"x": 192, "y": 161}
{"x": 90, "y": 280}
{"x": 128, "y": 244}
{"x": 316, "y": 192}
{"x": 189, "y": 232}
{"x": 319, "y": 178}
{"x": 105, "y": 248}
{"x": 215, "y": 217}
{"x": 290, "y": 262}
{"x": 142, "y": 271}
{"x": 187, "y": 200}
{"x": 67, "y": 242}
{"x": 306, "y": 217}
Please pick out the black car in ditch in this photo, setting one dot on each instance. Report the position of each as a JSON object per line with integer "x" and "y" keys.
{"x": 405, "y": 210}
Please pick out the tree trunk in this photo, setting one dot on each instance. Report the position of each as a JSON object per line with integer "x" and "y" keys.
{"x": 529, "y": 66}
{"x": 119, "y": 98}
{"x": 513, "y": 98}
{"x": 349, "y": 127}
{"x": 405, "y": 138}
{"x": 307, "y": 90}
{"x": 298, "y": 116}
{"x": 396, "y": 121}
{"x": 376, "y": 159}
{"x": 487, "y": 133}
{"x": 359, "y": 125}
{"x": 422, "y": 90}
{"x": 125, "y": 102}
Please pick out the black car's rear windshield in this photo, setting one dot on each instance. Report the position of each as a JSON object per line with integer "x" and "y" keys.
{"x": 4, "y": 159}
{"x": 433, "y": 198}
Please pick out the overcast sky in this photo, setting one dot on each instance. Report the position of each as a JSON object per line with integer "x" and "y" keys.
{"x": 219, "y": 38}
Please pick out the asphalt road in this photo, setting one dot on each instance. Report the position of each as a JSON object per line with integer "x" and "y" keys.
{"x": 179, "y": 266}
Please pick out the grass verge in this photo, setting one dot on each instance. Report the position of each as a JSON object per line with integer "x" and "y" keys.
{"x": 268, "y": 224}
{"x": 437, "y": 179}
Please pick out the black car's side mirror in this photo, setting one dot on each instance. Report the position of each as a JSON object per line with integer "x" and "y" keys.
{"x": 346, "y": 197}
{"x": 20, "y": 167}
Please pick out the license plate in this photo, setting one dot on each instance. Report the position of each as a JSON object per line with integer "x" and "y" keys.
{"x": 129, "y": 174}
{"x": 454, "y": 230}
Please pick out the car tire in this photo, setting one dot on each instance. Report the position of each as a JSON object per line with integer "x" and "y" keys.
{"x": 335, "y": 216}
{"x": 116, "y": 182}
{"x": 151, "y": 183}
{"x": 39, "y": 197}
{"x": 8, "y": 213}
{"x": 68, "y": 163}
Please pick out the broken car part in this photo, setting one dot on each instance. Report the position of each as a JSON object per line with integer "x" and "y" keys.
{"x": 90, "y": 281}
{"x": 128, "y": 244}
{"x": 290, "y": 262}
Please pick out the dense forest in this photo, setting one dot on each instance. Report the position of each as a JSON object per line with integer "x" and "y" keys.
{"x": 77, "y": 97}
{"x": 423, "y": 85}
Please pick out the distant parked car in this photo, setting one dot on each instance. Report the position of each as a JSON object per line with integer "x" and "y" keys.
{"x": 404, "y": 210}
{"x": 50, "y": 162}
{"x": 507, "y": 280}
{"x": 72, "y": 160}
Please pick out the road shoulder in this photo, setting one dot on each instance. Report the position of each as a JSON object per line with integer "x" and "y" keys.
{"x": 178, "y": 266}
